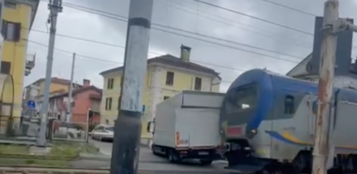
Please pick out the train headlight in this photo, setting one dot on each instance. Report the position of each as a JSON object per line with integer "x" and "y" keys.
{"x": 254, "y": 131}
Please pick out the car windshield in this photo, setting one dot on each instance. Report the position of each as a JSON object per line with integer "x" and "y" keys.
{"x": 109, "y": 128}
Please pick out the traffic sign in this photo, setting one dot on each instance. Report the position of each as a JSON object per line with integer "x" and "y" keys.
{"x": 143, "y": 110}
{"x": 31, "y": 104}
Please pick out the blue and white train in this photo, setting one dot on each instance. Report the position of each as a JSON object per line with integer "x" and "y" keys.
{"x": 269, "y": 117}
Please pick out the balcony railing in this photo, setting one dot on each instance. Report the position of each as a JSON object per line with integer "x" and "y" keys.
{"x": 30, "y": 63}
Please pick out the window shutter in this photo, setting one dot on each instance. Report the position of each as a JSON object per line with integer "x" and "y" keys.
{"x": 4, "y": 29}
{"x": 17, "y": 32}
{"x": 5, "y": 67}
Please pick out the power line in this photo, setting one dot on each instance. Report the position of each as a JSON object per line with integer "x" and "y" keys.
{"x": 79, "y": 55}
{"x": 109, "y": 61}
{"x": 241, "y": 44}
{"x": 294, "y": 9}
{"x": 290, "y": 8}
{"x": 253, "y": 17}
{"x": 228, "y": 21}
{"x": 123, "y": 19}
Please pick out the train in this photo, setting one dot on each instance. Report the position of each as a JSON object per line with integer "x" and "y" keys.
{"x": 267, "y": 122}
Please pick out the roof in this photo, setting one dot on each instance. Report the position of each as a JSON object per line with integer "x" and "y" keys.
{"x": 281, "y": 82}
{"x": 80, "y": 90}
{"x": 300, "y": 69}
{"x": 57, "y": 80}
{"x": 53, "y": 93}
{"x": 173, "y": 61}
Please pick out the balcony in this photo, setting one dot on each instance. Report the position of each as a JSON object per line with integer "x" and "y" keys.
{"x": 30, "y": 63}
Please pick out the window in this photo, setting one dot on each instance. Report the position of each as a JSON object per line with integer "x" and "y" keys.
{"x": 5, "y": 67}
{"x": 10, "y": 5}
{"x": 166, "y": 97}
{"x": 98, "y": 129}
{"x": 314, "y": 107}
{"x": 11, "y": 31}
{"x": 110, "y": 83}
{"x": 108, "y": 103}
{"x": 289, "y": 104}
{"x": 241, "y": 98}
{"x": 111, "y": 129}
{"x": 198, "y": 83}
{"x": 95, "y": 105}
{"x": 170, "y": 78}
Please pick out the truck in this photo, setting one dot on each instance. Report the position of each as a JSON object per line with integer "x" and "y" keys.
{"x": 186, "y": 126}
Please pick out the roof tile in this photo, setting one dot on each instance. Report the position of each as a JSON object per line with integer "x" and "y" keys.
{"x": 173, "y": 61}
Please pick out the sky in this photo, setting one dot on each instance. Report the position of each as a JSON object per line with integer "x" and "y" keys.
{"x": 221, "y": 35}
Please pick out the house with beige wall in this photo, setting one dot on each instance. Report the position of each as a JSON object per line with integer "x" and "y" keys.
{"x": 166, "y": 76}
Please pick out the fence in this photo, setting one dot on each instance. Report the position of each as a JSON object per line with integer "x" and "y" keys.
{"x": 64, "y": 131}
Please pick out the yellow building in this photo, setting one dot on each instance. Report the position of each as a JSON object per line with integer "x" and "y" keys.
{"x": 18, "y": 17}
{"x": 57, "y": 85}
{"x": 166, "y": 76}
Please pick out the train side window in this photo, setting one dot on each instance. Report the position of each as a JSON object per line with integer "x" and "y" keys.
{"x": 289, "y": 104}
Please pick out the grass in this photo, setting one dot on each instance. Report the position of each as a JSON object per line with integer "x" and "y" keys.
{"x": 14, "y": 149}
{"x": 72, "y": 149}
{"x": 58, "y": 149}
{"x": 32, "y": 162}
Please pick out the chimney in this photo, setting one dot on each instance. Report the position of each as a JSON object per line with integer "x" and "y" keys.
{"x": 185, "y": 53}
{"x": 86, "y": 82}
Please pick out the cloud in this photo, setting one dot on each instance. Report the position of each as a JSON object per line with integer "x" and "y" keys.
{"x": 188, "y": 15}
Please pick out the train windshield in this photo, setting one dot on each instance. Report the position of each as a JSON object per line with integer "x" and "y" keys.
{"x": 241, "y": 98}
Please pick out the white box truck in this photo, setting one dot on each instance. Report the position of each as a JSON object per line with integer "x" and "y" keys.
{"x": 186, "y": 126}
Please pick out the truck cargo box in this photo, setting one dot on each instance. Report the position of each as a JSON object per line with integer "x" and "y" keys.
{"x": 188, "y": 120}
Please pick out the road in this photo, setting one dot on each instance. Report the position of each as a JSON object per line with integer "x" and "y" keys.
{"x": 147, "y": 162}
{"x": 150, "y": 162}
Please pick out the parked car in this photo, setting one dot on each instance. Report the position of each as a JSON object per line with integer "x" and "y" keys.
{"x": 103, "y": 132}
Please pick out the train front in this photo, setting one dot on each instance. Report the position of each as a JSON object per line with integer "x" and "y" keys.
{"x": 243, "y": 110}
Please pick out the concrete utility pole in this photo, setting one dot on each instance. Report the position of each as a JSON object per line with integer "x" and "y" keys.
{"x": 69, "y": 104}
{"x": 2, "y": 6}
{"x": 55, "y": 7}
{"x": 127, "y": 134}
{"x": 323, "y": 144}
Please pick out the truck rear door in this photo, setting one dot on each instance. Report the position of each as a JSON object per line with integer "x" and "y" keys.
{"x": 199, "y": 126}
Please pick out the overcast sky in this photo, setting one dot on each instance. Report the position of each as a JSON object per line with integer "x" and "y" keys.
{"x": 215, "y": 35}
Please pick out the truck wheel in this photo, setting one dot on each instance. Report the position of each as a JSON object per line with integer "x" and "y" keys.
{"x": 173, "y": 158}
{"x": 153, "y": 150}
{"x": 206, "y": 162}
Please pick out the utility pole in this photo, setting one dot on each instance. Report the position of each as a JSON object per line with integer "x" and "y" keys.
{"x": 55, "y": 7}
{"x": 2, "y": 5}
{"x": 125, "y": 153}
{"x": 322, "y": 142}
{"x": 69, "y": 104}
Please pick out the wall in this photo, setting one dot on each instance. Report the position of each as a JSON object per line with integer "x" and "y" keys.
{"x": 15, "y": 52}
{"x": 183, "y": 80}
{"x": 53, "y": 87}
{"x": 154, "y": 90}
{"x": 343, "y": 49}
{"x": 82, "y": 103}
{"x": 112, "y": 114}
